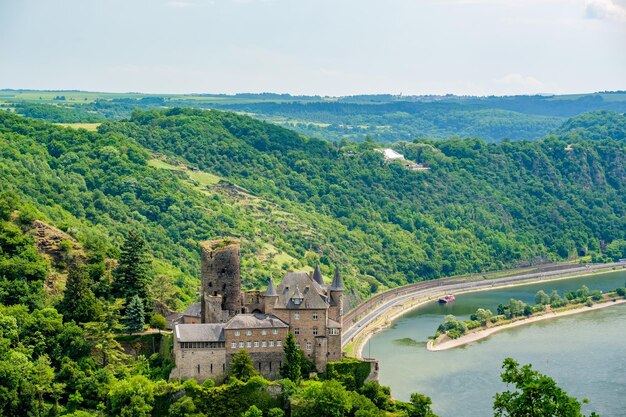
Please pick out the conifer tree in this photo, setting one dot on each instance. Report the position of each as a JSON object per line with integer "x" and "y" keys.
{"x": 291, "y": 369}
{"x": 135, "y": 316}
{"x": 79, "y": 303}
{"x": 131, "y": 276}
{"x": 241, "y": 366}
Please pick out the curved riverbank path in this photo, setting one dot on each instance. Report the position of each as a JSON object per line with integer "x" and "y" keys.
{"x": 429, "y": 290}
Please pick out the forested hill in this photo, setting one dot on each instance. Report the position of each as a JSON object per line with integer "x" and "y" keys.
{"x": 384, "y": 117}
{"x": 296, "y": 200}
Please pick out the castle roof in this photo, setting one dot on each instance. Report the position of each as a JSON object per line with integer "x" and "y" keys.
{"x": 312, "y": 294}
{"x": 271, "y": 290}
{"x": 317, "y": 275}
{"x": 193, "y": 310}
{"x": 337, "y": 284}
{"x": 254, "y": 321}
{"x": 205, "y": 332}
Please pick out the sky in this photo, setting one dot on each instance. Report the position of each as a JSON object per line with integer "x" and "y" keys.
{"x": 316, "y": 47}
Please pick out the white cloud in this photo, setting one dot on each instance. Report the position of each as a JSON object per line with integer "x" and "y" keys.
{"x": 515, "y": 83}
{"x": 180, "y": 4}
{"x": 606, "y": 9}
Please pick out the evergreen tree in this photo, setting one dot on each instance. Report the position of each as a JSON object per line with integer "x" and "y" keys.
{"x": 291, "y": 369}
{"x": 135, "y": 316}
{"x": 79, "y": 303}
{"x": 131, "y": 276}
{"x": 241, "y": 366}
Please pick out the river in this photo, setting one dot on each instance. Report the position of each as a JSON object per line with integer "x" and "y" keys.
{"x": 584, "y": 353}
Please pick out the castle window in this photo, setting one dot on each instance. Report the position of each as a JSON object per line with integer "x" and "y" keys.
{"x": 264, "y": 344}
{"x": 315, "y": 316}
{"x": 271, "y": 343}
{"x": 256, "y": 343}
{"x": 233, "y": 345}
{"x": 314, "y": 331}
{"x": 237, "y": 333}
{"x": 263, "y": 332}
{"x": 296, "y": 316}
{"x": 198, "y": 368}
{"x": 298, "y": 345}
{"x": 274, "y": 331}
{"x": 296, "y": 331}
{"x": 249, "y": 333}
{"x": 333, "y": 331}
{"x": 279, "y": 343}
{"x": 241, "y": 345}
{"x": 308, "y": 345}
{"x": 248, "y": 344}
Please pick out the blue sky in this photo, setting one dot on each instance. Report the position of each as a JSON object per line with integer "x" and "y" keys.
{"x": 326, "y": 47}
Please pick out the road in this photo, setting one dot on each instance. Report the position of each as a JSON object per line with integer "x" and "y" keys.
{"x": 438, "y": 287}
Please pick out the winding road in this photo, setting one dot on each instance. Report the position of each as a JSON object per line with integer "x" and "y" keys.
{"x": 438, "y": 287}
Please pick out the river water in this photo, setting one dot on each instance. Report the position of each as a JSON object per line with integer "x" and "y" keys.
{"x": 584, "y": 353}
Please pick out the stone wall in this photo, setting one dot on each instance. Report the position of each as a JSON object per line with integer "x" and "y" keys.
{"x": 220, "y": 276}
{"x": 267, "y": 363}
{"x": 199, "y": 364}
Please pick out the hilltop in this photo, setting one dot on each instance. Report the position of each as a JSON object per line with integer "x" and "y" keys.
{"x": 383, "y": 117}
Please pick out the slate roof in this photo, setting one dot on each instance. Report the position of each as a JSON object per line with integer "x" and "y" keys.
{"x": 271, "y": 289}
{"x": 254, "y": 321}
{"x": 317, "y": 275}
{"x": 205, "y": 332}
{"x": 312, "y": 293}
{"x": 193, "y": 310}
{"x": 337, "y": 282}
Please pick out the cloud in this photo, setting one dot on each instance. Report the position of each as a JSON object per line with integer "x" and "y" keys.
{"x": 515, "y": 83}
{"x": 606, "y": 9}
{"x": 178, "y": 4}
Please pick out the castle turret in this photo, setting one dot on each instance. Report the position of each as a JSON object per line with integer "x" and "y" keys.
{"x": 336, "y": 298}
{"x": 317, "y": 275}
{"x": 221, "y": 280}
{"x": 270, "y": 297}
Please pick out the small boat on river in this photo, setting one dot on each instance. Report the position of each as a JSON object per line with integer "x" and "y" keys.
{"x": 446, "y": 299}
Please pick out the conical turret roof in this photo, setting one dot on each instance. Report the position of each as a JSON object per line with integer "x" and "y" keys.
{"x": 317, "y": 275}
{"x": 271, "y": 290}
{"x": 337, "y": 284}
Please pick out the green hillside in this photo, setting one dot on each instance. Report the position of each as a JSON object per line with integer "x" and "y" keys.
{"x": 181, "y": 176}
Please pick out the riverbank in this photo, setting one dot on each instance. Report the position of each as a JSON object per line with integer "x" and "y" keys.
{"x": 444, "y": 343}
{"x": 406, "y": 303}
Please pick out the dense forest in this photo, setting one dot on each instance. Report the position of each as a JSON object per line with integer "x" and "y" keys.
{"x": 297, "y": 201}
{"x": 384, "y": 118}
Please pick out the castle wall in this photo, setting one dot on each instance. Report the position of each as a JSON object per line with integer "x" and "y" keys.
{"x": 267, "y": 364}
{"x": 220, "y": 276}
{"x": 200, "y": 364}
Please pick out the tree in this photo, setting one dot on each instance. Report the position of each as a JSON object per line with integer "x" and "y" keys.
{"x": 131, "y": 275}
{"x": 321, "y": 399}
{"x": 241, "y": 366}
{"x": 135, "y": 316}
{"x": 79, "y": 303}
{"x": 101, "y": 334}
{"x": 535, "y": 395}
{"x": 158, "y": 322}
{"x": 421, "y": 406}
{"x": 542, "y": 298}
{"x": 253, "y": 411}
{"x": 291, "y": 369}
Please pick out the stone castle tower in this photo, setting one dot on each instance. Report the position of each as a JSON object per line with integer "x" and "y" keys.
{"x": 220, "y": 280}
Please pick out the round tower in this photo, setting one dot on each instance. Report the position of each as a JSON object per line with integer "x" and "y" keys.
{"x": 221, "y": 279}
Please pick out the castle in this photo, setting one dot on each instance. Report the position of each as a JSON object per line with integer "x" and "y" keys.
{"x": 257, "y": 321}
